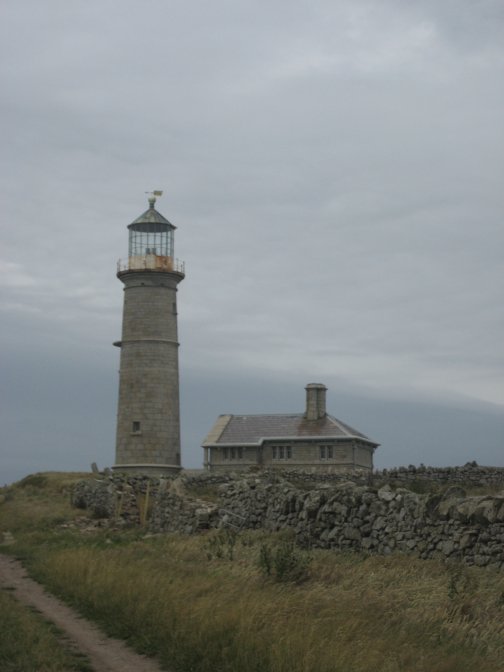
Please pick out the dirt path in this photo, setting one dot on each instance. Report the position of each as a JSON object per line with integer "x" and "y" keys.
{"x": 105, "y": 654}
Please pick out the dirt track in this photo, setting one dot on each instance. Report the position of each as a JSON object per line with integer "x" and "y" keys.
{"x": 105, "y": 654}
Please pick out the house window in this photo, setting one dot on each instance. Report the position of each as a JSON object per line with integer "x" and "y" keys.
{"x": 281, "y": 452}
{"x": 326, "y": 452}
{"x": 135, "y": 426}
{"x": 233, "y": 453}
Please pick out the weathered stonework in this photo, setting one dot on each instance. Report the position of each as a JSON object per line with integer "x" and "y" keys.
{"x": 149, "y": 378}
{"x": 337, "y": 513}
{"x": 304, "y": 455}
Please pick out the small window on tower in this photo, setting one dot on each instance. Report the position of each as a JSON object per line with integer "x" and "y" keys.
{"x": 136, "y": 426}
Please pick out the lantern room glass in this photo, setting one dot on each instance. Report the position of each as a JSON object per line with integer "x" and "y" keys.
{"x": 150, "y": 238}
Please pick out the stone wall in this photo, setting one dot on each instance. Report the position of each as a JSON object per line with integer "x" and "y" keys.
{"x": 161, "y": 504}
{"x": 470, "y": 474}
{"x": 382, "y": 520}
{"x": 341, "y": 514}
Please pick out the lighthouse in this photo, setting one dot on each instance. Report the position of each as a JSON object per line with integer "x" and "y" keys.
{"x": 148, "y": 417}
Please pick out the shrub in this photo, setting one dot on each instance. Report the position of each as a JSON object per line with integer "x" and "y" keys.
{"x": 285, "y": 562}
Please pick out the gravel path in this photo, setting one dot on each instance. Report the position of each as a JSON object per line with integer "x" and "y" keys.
{"x": 105, "y": 654}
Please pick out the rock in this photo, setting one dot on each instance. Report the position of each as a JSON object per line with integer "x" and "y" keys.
{"x": 467, "y": 540}
{"x": 481, "y": 560}
{"x": 379, "y": 523}
{"x": 454, "y": 492}
{"x": 479, "y": 510}
{"x": 386, "y": 494}
{"x": 447, "y": 547}
{"x": 352, "y": 533}
{"x": 499, "y": 516}
{"x": 446, "y": 507}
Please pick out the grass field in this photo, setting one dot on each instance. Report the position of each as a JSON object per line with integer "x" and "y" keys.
{"x": 253, "y": 603}
{"x": 28, "y": 643}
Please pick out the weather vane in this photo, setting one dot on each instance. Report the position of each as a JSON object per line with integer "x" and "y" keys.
{"x": 153, "y": 195}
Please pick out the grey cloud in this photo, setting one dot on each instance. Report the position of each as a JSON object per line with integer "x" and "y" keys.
{"x": 334, "y": 171}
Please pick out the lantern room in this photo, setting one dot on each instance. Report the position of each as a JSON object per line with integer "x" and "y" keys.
{"x": 151, "y": 243}
{"x": 150, "y": 238}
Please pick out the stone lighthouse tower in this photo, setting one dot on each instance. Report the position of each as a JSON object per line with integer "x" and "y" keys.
{"x": 148, "y": 420}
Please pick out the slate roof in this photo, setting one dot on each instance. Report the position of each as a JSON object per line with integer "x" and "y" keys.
{"x": 254, "y": 429}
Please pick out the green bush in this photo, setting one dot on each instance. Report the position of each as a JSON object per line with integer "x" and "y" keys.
{"x": 284, "y": 563}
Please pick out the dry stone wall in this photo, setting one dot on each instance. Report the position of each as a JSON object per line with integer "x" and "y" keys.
{"x": 338, "y": 514}
{"x": 470, "y": 474}
{"x": 347, "y": 516}
{"x": 161, "y": 504}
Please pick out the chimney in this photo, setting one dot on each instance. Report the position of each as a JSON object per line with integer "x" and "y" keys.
{"x": 315, "y": 401}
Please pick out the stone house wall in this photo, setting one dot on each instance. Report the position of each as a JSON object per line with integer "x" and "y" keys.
{"x": 346, "y": 455}
{"x": 219, "y": 462}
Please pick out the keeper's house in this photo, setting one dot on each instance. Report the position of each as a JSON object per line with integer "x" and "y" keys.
{"x": 313, "y": 440}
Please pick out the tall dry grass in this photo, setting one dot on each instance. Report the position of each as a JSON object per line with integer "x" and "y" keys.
{"x": 204, "y": 611}
{"x": 39, "y": 501}
{"x": 353, "y": 614}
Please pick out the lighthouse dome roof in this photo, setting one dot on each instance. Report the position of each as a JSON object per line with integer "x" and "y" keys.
{"x": 150, "y": 217}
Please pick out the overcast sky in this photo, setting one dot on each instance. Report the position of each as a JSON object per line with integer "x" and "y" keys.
{"x": 335, "y": 171}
